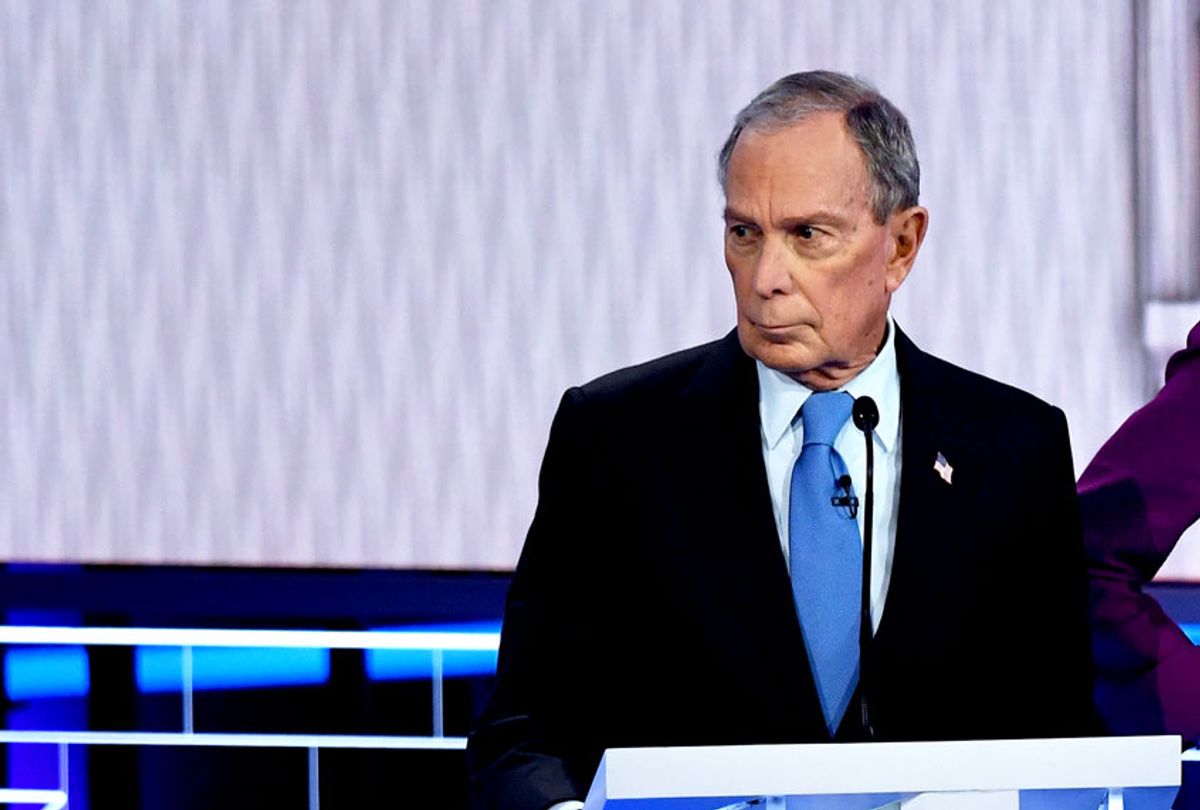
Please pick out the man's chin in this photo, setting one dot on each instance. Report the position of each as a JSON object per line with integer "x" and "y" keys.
{"x": 790, "y": 358}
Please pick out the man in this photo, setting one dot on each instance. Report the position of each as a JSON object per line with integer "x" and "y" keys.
{"x": 692, "y": 572}
{"x": 1139, "y": 494}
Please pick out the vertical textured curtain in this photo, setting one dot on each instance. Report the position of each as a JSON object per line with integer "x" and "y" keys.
{"x": 301, "y": 282}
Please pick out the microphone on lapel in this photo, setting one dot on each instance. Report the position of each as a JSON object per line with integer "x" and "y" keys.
{"x": 866, "y": 417}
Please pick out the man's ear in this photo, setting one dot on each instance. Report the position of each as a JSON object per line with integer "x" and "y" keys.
{"x": 906, "y": 229}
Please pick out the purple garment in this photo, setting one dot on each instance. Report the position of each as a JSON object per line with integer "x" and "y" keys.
{"x": 1139, "y": 494}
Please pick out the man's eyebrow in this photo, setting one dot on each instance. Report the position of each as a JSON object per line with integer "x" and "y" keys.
{"x": 818, "y": 217}
{"x": 821, "y": 215}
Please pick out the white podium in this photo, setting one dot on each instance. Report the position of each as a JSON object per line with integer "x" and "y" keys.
{"x": 1120, "y": 773}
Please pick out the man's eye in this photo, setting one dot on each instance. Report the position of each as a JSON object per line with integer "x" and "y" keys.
{"x": 739, "y": 231}
{"x": 806, "y": 232}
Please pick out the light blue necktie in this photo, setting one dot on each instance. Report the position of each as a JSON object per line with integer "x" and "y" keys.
{"x": 826, "y": 555}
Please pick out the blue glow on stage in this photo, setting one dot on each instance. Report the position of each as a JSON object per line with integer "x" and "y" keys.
{"x": 56, "y": 672}
{"x": 393, "y": 665}
{"x": 160, "y": 669}
{"x": 44, "y": 672}
{"x": 1193, "y": 632}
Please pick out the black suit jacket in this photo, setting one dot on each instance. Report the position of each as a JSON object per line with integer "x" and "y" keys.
{"x": 652, "y": 605}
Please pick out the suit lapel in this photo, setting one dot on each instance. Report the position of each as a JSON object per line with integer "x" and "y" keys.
{"x": 929, "y": 518}
{"x": 737, "y": 541}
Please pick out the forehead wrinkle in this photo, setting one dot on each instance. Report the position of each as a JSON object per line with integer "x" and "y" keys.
{"x": 786, "y": 174}
{"x": 779, "y": 179}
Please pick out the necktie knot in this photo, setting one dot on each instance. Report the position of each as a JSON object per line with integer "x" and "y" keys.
{"x": 823, "y": 415}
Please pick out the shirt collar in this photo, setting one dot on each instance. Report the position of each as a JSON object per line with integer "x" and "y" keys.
{"x": 780, "y": 397}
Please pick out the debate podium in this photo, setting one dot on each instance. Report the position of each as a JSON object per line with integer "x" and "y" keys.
{"x": 1120, "y": 773}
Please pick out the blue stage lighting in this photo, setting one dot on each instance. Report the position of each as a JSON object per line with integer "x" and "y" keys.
{"x": 46, "y": 672}
{"x": 392, "y": 665}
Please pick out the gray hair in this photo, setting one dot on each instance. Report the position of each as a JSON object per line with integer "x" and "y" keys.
{"x": 879, "y": 127}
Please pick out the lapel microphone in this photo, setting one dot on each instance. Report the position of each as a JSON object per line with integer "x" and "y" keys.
{"x": 846, "y": 500}
{"x": 866, "y": 417}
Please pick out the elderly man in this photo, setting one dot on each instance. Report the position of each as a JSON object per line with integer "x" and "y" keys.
{"x": 692, "y": 575}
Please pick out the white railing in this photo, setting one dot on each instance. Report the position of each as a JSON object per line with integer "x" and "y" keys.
{"x": 437, "y": 643}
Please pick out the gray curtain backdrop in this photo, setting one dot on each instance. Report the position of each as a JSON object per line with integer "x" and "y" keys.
{"x": 302, "y": 282}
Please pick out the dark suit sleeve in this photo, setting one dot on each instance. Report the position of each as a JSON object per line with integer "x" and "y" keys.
{"x": 1139, "y": 494}
{"x": 1034, "y": 676}
{"x": 520, "y": 752}
{"x": 1054, "y": 608}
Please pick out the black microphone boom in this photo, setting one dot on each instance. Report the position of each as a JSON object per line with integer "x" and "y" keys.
{"x": 866, "y": 417}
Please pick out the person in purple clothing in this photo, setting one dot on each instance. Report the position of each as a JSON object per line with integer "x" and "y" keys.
{"x": 1139, "y": 494}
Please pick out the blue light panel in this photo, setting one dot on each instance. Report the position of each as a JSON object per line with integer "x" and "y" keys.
{"x": 48, "y": 672}
{"x": 45, "y": 672}
{"x": 404, "y": 665}
{"x": 160, "y": 669}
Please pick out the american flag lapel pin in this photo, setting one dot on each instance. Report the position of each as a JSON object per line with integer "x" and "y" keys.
{"x": 943, "y": 468}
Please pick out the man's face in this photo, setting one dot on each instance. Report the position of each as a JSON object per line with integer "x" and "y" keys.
{"x": 813, "y": 272}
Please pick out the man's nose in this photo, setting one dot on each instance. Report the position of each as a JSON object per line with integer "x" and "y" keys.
{"x": 772, "y": 270}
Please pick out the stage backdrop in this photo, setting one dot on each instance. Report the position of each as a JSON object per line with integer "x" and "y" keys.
{"x": 302, "y": 282}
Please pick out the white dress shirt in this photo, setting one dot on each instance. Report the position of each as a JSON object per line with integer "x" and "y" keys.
{"x": 779, "y": 401}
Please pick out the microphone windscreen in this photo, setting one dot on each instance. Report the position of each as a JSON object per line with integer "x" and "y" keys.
{"x": 866, "y": 415}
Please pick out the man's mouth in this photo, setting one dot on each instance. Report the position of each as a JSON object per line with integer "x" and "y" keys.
{"x": 774, "y": 327}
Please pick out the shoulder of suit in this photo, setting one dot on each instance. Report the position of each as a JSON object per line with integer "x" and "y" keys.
{"x": 1185, "y": 363}
{"x": 658, "y": 377}
{"x": 989, "y": 399}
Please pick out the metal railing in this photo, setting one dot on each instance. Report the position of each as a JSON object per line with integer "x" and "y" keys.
{"x": 437, "y": 643}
